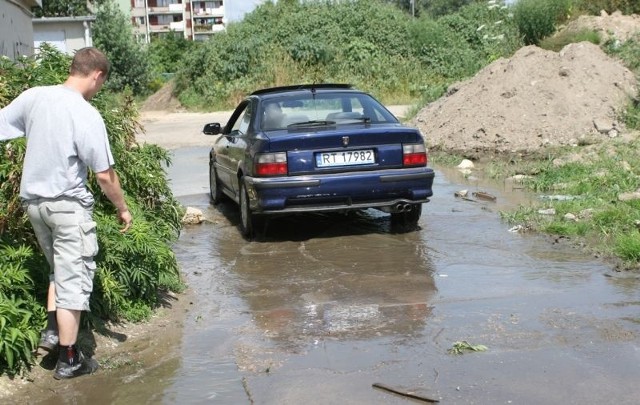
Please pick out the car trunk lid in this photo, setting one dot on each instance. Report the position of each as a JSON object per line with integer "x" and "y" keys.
{"x": 332, "y": 149}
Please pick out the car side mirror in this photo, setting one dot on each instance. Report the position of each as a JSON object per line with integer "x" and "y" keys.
{"x": 212, "y": 129}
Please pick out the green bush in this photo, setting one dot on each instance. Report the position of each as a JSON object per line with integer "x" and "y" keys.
{"x": 132, "y": 267}
{"x": 358, "y": 42}
{"x": 557, "y": 42}
{"x": 537, "y": 19}
{"x": 113, "y": 34}
{"x": 166, "y": 53}
{"x": 368, "y": 43}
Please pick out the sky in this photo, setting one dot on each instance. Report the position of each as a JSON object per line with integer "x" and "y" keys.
{"x": 236, "y": 9}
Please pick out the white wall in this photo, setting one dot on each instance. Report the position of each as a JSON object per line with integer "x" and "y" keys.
{"x": 16, "y": 32}
{"x": 66, "y": 36}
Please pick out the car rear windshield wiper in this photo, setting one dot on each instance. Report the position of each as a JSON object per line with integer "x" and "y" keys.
{"x": 314, "y": 123}
{"x": 363, "y": 119}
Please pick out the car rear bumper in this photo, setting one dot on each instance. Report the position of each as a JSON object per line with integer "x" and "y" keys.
{"x": 344, "y": 191}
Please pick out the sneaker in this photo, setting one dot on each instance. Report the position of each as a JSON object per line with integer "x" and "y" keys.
{"x": 48, "y": 340}
{"x": 84, "y": 366}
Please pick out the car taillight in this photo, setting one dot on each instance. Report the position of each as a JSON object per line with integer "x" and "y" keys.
{"x": 414, "y": 155}
{"x": 271, "y": 164}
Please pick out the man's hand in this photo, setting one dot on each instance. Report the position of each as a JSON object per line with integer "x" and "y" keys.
{"x": 110, "y": 185}
{"x": 125, "y": 218}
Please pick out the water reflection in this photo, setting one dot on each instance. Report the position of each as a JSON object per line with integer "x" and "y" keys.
{"x": 351, "y": 279}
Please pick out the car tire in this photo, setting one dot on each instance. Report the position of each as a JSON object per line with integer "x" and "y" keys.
{"x": 215, "y": 194}
{"x": 407, "y": 220}
{"x": 247, "y": 218}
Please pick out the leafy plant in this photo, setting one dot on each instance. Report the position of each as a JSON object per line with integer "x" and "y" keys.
{"x": 557, "y": 42}
{"x": 113, "y": 34}
{"x": 537, "y": 19}
{"x": 167, "y": 52}
{"x": 132, "y": 267}
{"x": 463, "y": 346}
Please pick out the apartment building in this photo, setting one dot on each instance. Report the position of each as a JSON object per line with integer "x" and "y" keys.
{"x": 197, "y": 20}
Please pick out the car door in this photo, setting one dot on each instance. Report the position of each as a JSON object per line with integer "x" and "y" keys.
{"x": 231, "y": 156}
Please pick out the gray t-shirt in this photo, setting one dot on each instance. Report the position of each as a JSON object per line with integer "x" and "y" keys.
{"x": 65, "y": 136}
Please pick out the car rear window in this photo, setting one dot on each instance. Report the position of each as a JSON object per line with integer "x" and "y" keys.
{"x": 335, "y": 109}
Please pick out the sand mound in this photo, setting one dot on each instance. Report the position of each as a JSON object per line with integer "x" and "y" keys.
{"x": 535, "y": 99}
{"x": 610, "y": 27}
{"x": 162, "y": 100}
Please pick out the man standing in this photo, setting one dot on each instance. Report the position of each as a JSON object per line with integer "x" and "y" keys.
{"x": 66, "y": 136}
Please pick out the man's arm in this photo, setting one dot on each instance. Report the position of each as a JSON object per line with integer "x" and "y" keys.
{"x": 12, "y": 119}
{"x": 110, "y": 185}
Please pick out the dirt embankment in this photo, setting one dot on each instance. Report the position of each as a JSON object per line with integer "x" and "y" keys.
{"x": 536, "y": 99}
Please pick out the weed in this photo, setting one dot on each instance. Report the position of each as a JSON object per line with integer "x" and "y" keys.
{"x": 563, "y": 38}
{"x": 463, "y": 346}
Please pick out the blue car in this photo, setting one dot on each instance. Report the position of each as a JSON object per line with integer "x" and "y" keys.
{"x": 321, "y": 147}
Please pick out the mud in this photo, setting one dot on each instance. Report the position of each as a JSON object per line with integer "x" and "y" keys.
{"x": 323, "y": 306}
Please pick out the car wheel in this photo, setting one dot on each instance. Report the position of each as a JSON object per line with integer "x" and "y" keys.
{"x": 246, "y": 216}
{"x": 407, "y": 220}
{"x": 215, "y": 194}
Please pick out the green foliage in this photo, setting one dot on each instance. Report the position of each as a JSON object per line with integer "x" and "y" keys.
{"x": 62, "y": 8}
{"x": 627, "y": 246}
{"x": 113, "y": 34}
{"x": 443, "y": 50}
{"x": 18, "y": 333}
{"x": 359, "y": 42}
{"x": 458, "y": 45}
{"x": 588, "y": 190}
{"x": 370, "y": 44}
{"x": 632, "y": 118}
{"x": 537, "y": 19}
{"x": 437, "y": 8}
{"x": 20, "y": 314}
{"x": 594, "y": 7}
{"x": 557, "y": 42}
{"x": 463, "y": 346}
{"x": 166, "y": 53}
{"x": 132, "y": 267}
{"x": 629, "y": 53}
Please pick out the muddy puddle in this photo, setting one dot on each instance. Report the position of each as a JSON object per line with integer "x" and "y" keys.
{"x": 323, "y": 306}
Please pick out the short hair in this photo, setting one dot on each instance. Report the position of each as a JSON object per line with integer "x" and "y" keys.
{"x": 87, "y": 60}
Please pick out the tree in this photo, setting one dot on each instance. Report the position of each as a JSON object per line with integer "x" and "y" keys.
{"x": 437, "y": 8}
{"x": 65, "y": 8}
{"x": 113, "y": 34}
{"x": 167, "y": 52}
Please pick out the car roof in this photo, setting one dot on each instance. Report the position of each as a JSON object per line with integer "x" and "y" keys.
{"x": 294, "y": 88}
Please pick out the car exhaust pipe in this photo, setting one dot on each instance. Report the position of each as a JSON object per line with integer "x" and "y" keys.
{"x": 403, "y": 207}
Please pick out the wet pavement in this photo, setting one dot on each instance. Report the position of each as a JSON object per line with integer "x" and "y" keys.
{"x": 323, "y": 306}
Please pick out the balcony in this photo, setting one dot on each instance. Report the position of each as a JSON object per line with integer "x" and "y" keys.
{"x": 208, "y": 28}
{"x": 177, "y": 26}
{"x": 208, "y": 12}
{"x": 177, "y": 8}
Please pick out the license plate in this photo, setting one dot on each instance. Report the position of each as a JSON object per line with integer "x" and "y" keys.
{"x": 345, "y": 158}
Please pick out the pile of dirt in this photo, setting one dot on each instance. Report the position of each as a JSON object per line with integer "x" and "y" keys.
{"x": 162, "y": 100}
{"x": 533, "y": 100}
{"x": 617, "y": 27}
